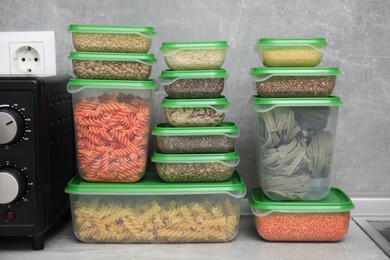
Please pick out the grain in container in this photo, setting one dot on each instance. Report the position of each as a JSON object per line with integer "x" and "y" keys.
{"x": 111, "y": 38}
{"x": 153, "y": 211}
{"x": 295, "y": 144}
{"x": 112, "y": 119}
{"x": 324, "y": 220}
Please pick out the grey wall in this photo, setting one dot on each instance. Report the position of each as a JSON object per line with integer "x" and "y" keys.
{"x": 358, "y": 33}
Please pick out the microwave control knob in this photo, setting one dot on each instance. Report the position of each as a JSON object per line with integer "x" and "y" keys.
{"x": 11, "y": 125}
{"x": 12, "y": 185}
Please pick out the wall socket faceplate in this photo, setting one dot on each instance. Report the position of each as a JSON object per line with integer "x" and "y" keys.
{"x": 28, "y": 53}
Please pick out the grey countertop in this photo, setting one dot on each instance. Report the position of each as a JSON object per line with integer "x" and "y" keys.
{"x": 60, "y": 243}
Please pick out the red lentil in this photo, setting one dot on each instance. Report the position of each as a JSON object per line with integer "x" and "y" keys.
{"x": 329, "y": 226}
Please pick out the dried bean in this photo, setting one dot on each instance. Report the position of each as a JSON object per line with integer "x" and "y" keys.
{"x": 126, "y": 70}
{"x": 193, "y": 116}
{"x": 296, "y": 86}
{"x": 194, "y": 172}
{"x": 195, "y": 144}
{"x": 291, "y": 57}
{"x": 195, "y": 88}
{"x": 203, "y": 59}
{"x": 110, "y": 42}
{"x": 328, "y": 226}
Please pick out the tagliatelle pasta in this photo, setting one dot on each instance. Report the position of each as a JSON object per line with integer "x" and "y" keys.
{"x": 112, "y": 135}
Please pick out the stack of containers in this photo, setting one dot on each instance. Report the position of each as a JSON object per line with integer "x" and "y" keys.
{"x": 296, "y": 131}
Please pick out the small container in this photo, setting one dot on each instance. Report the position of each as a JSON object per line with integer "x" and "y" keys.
{"x": 112, "y": 119}
{"x": 213, "y": 139}
{"x": 296, "y": 139}
{"x": 291, "y": 52}
{"x": 294, "y": 82}
{"x": 310, "y": 221}
{"x": 109, "y": 38}
{"x": 193, "y": 83}
{"x": 104, "y": 65}
{"x": 205, "y": 167}
{"x": 195, "y": 112}
{"x": 194, "y": 55}
{"x": 153, "y": 211}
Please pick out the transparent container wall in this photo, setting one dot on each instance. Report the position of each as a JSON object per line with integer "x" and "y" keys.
{"x": 155, "y": 218}
{"x": 195, "y": 59}
{"x": 112, "y": 129}
{"x": 193, "y": 116}
{"x": 295, "y": 151}
{"x": 195, "y": 88}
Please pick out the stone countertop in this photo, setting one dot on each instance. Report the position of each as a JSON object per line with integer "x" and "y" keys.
{"x": 60, "y": 243}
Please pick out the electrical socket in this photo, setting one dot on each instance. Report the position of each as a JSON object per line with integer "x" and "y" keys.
{"x": 28, "y": 53}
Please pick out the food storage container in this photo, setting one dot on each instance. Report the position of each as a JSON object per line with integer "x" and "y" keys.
{"x": 109, "y": 38}
{"x": 153, "y": 211}
{"x": 213, "y": 139}
{"x": 193, "y": 83}
{"x": 291, "y": 52}
{"x": 194, "y": 55}
{"x": 295, "y": 146}
{"x": 104, "y": 65}
{"x": 323, "y": 220}
{"x": 111, "y": 120}
{"x": 204, "y": 167}
{"x": 294, "y": 82}
{"x": 195, "y": 112}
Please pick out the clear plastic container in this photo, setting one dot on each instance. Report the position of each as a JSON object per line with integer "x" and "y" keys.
{"x": 213, "y": 139}
{"x": 153, "y": 211}
{"x": 295, "y": 146}
{"x": 193, "y": 83}
{"x": 109, "y": 38}
{"x": 194, "y": 55}
{"x": 291, "y": 52}
{"x": 205, "y": 167}
{"x": 294, "y": 82}
{"x": 112, "y": 121}
{"x": 310, "y": 221}
{"x": 195, "y": 112}
{"x": 101, "y": 65}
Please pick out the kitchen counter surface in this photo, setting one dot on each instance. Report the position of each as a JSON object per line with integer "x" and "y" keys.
{"x": 60, "y": 243}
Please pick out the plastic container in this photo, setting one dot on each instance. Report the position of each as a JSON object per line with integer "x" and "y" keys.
{"x": 294, "y": 82}
{"x": 112, "y": 120}
{"x": 310, "y": 221}
{"x": 213, "y": 139}
{"x": 153, "y": 211}
{"x": 291, "y": 52}
{"x": 122, "y": 66}
{"x": 205, "y": 167}
{"x": 296, "y": 139}
{"x": 193, "y": 83}
{"x": 194, "y": 55}
{"x": 109, "y": 38}
{"x": 195, "y": 112}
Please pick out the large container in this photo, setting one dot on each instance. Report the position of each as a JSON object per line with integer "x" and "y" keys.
{"x": 294, "y": 82}
{"x": 193, "y": 83}
{"x": 194, "y": 55}
{"x": 153, "y": 211}
{"x": 104, "y": 65}
{"x": 109, "y": 38}
{"x": 323, "y": 220}
{"x": 213, "y": 139}
{"x": 291, "y": 52}
{"x": 295, "y": 146}
{"x": 195, "y": 112}
{"x": 205, "y": 167}
{"x": 112, "y": 119}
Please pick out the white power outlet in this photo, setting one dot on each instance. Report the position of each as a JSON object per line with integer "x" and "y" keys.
{"x": 27, "y": 53}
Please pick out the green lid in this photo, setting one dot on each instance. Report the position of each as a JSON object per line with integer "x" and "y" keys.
{"x": 141, "y": 57}
{"x": 263, "y": 73}
{"x": 200, "y": 102}
{"x": 76, "y": 85}
{"x": 194, "y": 45}
{"x": 226, "y": 128}
{"x": 230, "y": 159}
{"x": 336, "y": 200}
{"x": 221, "y": 73}
{"x": 291, "y": 41}
{"x": 151, "y": 184}
{"x": 95, "y": 28}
